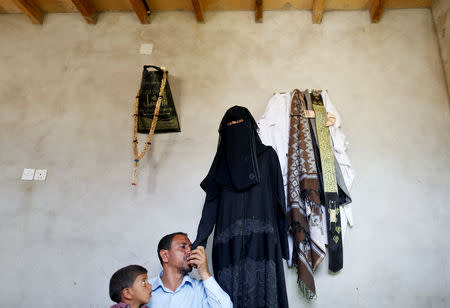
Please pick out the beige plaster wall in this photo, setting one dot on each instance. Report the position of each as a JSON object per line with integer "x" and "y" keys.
{"x": 441, "y": 15}
{"x": 66, "y": 104}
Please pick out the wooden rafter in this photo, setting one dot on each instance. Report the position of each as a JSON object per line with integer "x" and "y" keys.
{"x": 87, "y": 9}
{"x": 377, "y": 10}
{"x": 61, "y": 6}
{"x": 318, "y": 11}
{"x": 31, "y": 9}
{"x": 141, "y": 10}
{"x": 199, "y": 12}
{"x": 259, "y": 11}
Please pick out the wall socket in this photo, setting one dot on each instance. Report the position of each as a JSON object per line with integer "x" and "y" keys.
{"x": 27, "y": 174}
{"x": 40, "y": 174}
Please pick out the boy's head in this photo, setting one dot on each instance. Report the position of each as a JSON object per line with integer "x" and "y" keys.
{"x": 130, "y": 285}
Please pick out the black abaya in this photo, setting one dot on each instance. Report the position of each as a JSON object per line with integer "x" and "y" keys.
{"x": 245, "y": 203}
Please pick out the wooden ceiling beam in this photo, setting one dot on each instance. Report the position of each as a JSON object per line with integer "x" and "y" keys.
{"x": 141, "y": 11}
{"x": 318, "y": 11}
{"x": 199, "y": 11}
{"x": 259, "y": 11}
{"x": 87, "y": 9}
{"x": 62, "y": 6}
{"x": 31, "y": 9}
{"x": 377, "y": 10}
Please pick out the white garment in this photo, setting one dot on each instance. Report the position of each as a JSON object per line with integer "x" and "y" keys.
{"x": 339, "y": 143}
{"x": 274, "y": 131}
{"x": 274, "y": 128}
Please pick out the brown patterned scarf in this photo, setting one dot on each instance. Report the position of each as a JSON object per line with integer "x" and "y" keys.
{"x": 303, "y": 195}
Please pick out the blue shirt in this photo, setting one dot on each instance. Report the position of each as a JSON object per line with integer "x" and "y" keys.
{"x": 191, "y": 293}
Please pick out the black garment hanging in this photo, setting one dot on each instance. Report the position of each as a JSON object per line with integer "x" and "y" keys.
{"x": 245, "y": 203}
{"x": 331, "y": 197}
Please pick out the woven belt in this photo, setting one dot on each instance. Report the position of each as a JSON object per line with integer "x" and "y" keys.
{"x": 329, "y": 185}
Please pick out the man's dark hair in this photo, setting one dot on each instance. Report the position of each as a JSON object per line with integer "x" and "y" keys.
{"x": 122, "y": 279}
{"x": 166, "y": 242}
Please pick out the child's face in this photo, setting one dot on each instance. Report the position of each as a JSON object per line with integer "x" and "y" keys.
{"x": 141, "y": 290}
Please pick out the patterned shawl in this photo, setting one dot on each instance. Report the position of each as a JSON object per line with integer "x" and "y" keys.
{"x": 303, "y": 196}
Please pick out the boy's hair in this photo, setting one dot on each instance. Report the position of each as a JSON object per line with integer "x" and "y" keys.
{"x": 122, "y": 279}
{"x": 166, "y": 242}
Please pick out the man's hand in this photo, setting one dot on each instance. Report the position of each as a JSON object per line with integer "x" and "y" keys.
{"x": 198, "y": 260}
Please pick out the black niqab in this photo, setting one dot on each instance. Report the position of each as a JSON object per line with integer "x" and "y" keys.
{"x": 236, "y": 160}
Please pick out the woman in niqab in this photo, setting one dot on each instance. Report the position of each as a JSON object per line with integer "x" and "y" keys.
{"x": 246, "y": 204}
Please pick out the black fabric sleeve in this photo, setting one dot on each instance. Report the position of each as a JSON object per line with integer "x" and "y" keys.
{"x": 281, "y": 210}
{"x": 207, "y": 222}
{"x": 210, "y": 186}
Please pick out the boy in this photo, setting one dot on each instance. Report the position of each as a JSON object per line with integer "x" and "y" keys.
{"x": 129, "y": 287}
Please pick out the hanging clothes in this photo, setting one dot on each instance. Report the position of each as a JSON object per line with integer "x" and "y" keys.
{"x": 339, "y": 148}
{"x": 317, "y": 219}
{"x": 340, "y": 143}
{"x": 346, "y": 174}
{"x": 245, "y": 202}
{"x": 329, "y": 185}
{"x": 274, "y": 131}
{"x": 303, "y": 196}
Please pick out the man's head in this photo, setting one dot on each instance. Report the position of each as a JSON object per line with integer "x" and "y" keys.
{"x": 173, "y": 251}
{"x": 130, "y": 285}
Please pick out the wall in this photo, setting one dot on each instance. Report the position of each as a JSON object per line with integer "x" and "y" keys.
{"x": 66, "y": 104}
{"x": 441, "y": 15}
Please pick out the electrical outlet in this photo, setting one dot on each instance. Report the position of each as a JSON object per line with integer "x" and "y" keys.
{"x": 27, "y": 174}
{"x": 40, "y": 174}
